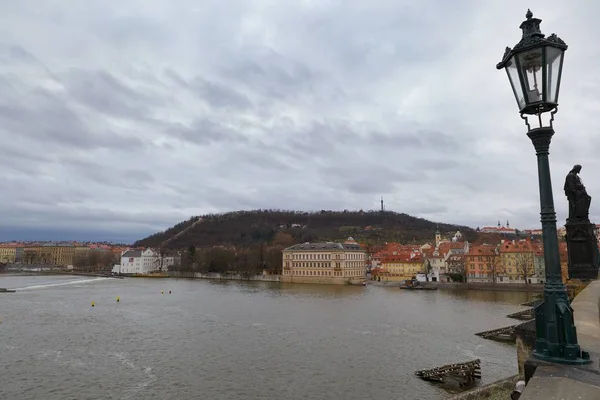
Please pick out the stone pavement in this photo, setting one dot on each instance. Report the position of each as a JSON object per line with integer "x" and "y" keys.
{"x": 561, "y": 382}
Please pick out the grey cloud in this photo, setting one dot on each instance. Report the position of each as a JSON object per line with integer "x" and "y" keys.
{"x": 217, "y": 95}
{"x": 202, "y": 132}
{"x": 274, "y": 76}
{"x": 16, "y": 57}
{"x": 104, "y": 93}
{"x": 109, "y": 176}
{"x": 286, "y": 106}
{"x": 262, "y": 158}
{"x": 220, "y": 96}
{"x": 422, "y": 138}
{"x": 367, "y": 177}
{"x": 16, "y": 53}
{"x": 21, "y": 161}
{"x": 174, "y": 75}
{"x": 35, "y": 113}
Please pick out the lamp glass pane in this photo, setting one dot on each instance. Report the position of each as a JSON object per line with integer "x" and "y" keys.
{"x": 515, "y": 82}
{"x": 554, "y": 57}
{"x": 530, "y": 63}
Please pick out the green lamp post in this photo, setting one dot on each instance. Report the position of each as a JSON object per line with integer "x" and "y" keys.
{"x": 534, "y": 68}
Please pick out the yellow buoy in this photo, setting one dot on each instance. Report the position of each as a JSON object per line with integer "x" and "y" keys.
{"x": 162, "y": 292}
{"x": 93, "y": 304}
{"x": 118, "y": 299}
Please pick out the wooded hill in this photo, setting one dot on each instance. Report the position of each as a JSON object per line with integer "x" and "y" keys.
{"x": 243, "y": 229}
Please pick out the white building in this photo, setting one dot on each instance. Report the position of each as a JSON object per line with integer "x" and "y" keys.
{"x": 142, "y": 262}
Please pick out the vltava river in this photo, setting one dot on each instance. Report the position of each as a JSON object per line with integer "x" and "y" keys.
{"x": 239, "y": 340}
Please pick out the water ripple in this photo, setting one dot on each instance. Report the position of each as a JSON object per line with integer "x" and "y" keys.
{"x": 240, "y": 340}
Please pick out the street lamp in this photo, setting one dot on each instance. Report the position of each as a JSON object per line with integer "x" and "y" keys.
{"x": 534, "y": 68}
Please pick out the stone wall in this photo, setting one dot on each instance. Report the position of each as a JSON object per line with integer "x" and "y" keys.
{"x": 324, "y": 280}
{"x": 228, "y": 277}
{"x": 525, "y": 340}
{"x": 500, "y": 390}
{"x": 508, "y": 287}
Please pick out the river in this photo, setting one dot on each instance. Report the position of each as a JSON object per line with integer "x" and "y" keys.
{"x": 239, "y": 340}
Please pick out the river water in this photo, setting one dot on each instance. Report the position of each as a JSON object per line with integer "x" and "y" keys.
{"x": 239, "y": 340}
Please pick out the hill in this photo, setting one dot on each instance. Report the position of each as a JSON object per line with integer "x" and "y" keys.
{"x": 246, "y": 228}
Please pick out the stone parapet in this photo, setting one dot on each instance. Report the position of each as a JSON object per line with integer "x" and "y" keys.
{"x": 555, "y": 381}
{"x": 500, "y": 389}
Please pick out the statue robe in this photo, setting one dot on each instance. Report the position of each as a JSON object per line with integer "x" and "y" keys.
{"x": 579, "y": 200}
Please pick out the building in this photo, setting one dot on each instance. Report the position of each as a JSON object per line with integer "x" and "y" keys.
{"x": 455, "y": 263}
{"x": 49, "y": 254}
{"x": 324, "y": 263}
{"x": 402, "y": 266}
{"x": 482, "y": 263}
{"x": 392, "y": 249}
{"x": 8, "y": 254}
{"x": 140, "y": 261}
{"x": 501, "y": 230}
{"x": 437, "y": 259}
{"x": 517, "y": 258}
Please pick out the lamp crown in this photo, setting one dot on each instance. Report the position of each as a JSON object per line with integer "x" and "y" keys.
{"x": 531, "y": 26}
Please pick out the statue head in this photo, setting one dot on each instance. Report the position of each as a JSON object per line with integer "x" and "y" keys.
{"x": 576, "y": 168}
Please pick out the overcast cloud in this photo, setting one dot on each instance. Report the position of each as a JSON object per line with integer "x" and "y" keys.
{"x": 119, "y": 119}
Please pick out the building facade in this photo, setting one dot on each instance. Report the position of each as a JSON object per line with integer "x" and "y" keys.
{"x": 517, "y": 259}
{"x": 401, "y": 267}
{"x": 138, "y": 261}
{"x": 49, "y": 254}
{"x": 483, "y": 263}
{"x": 324, "y": 263}
{"x": 8, "y": 254}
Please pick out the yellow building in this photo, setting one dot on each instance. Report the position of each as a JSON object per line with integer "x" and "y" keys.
{"x": 401, "y": 267}
{"x": 51, "y": 254}
{"x": 8, "y": 254}
{"x": 517, "y": 262}
{"x": 326, "y": 263}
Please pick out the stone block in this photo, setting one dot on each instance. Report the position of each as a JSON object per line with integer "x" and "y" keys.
{"x": 582, "y": 248}
{"x": 525, "y": 341}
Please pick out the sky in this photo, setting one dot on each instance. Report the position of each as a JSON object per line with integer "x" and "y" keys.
{"x": 120, "y": 119}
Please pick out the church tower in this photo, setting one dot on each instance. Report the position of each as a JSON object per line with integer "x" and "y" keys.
{"x": 438, "y": 236}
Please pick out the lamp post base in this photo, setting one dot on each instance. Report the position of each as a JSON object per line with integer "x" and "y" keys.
{"x": 556, "y": 340}
{"x": 583, "y": 360}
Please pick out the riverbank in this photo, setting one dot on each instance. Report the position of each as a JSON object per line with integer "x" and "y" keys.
{"x": 515, "y": 287}
{"x": 507, "y": 287}
{"x": 226, "y": 277}
{"x": 57, "y": 272}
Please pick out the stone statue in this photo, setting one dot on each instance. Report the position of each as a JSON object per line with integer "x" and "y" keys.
{"x": 579, "y": 200}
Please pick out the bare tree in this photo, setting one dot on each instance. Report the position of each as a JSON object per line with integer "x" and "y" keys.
{"x": 274, "y": 260}
{"x": 494, "y": 265}
{"x": 457, "y": 268}
{"x": 80, "y": 260}
{"x": 427, "y": 270}
{"x": 524, "y": 265}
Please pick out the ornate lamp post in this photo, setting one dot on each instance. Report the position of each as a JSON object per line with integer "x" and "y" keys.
{"x": 534, "y": 68}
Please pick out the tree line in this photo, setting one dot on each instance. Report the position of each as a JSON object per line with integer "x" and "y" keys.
{"x": 247, "y": 228}
{"x": 95, "y": 260}
{"x": 246, "y": 261}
